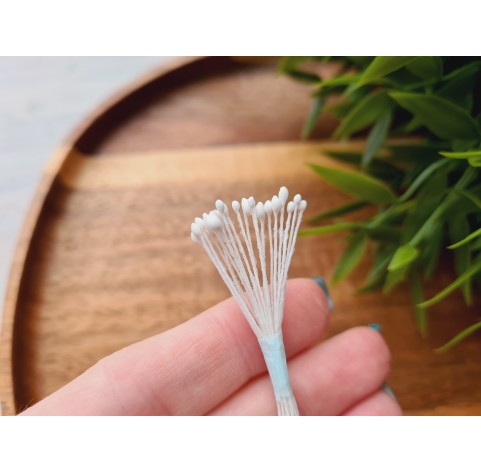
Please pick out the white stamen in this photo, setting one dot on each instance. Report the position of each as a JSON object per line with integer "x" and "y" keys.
{"x": 260, "y": 213}
{"x": 253, "y": 258}
{"x": 213, "y": 222}
{"x": 283, "y": 195}
{"x": 276, "y": 204}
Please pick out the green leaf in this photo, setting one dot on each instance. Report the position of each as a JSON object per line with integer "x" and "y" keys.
{"x": 458, "y": 229}
{"x": 430, "y": 256}
{"x": 376, "y": 138}
{"x": 442, "y": 117}
{"x": 356, "y": 184}
{"x": 377, "y": 274}
{"x": 342, "y": 80}
{"x": 459, "y": 337}
{"x": 316, "y": 108}
{"x": 413, "y": 153}
{"x": 383, "y": 65}
{"x": 339, "y": 211}
{"x": 462, "y": 155}
{"x": 474, "y": 269}
{"x": 463, "y": 71}
{"x": 418, "y": 298}
{"x": 470, "y": 196}
{"x": 474, "y": 161}
{"x": 289, "y": 66}
{"x": 385, "y": 234}
{"x": 458, "y": 85}
{"x": 468, "y": 238}
{"x": 363, "y": 114}
{"x": 394, "y": 278}
{"x": 360, "y": 61}
{"x": 378, "y": 168}
{"x": 392, "y": 213}
{"x": 463, "y": 145}
{"x": 411, "y": 126}
{"x": 344, "y": 107}
{"x": 429, "y": 198}
{"x": 334, "y": 228}
{"x": 404, "y": 256}
{"x": 314, "y": 113}
{"x": 475, "y": 245}
{"x": 422, "y": 177}
{"x": 426, "y": 67}
{"x": 436, "y": 218}
{"x": 350, "y": 257}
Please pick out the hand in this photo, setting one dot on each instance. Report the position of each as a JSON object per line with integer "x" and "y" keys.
{"x": 212, "y": 365}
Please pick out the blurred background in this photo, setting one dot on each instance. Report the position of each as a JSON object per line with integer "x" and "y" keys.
{"x": 41, "y": 100}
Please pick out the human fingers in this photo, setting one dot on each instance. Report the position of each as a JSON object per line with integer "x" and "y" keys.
{"x": 191, "y": 368}
{"x": 327, "y": 379}
{"x": 377, "y": 404}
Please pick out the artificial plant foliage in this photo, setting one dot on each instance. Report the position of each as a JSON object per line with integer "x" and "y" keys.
{"x": 426, "y": 195}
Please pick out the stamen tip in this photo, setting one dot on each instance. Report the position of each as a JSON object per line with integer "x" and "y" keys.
{"x": 213, "y": 222}
{"x": 260, "y": 211}
{"x": 283, "y": 195}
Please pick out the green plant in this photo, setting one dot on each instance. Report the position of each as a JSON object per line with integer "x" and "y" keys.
{"x": 426, "y": 194}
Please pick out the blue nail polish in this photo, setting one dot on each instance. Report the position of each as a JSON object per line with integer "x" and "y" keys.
{"x": 388, "y": 390}
{"x": 322, "y": 283}
{"x": 385, "y": 387}
{"x": 375, "y": 326}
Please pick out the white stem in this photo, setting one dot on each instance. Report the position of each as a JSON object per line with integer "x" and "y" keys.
{"x": 275, "y": 357}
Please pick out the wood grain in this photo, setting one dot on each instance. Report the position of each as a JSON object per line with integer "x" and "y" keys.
{"x": 106, "y": 259}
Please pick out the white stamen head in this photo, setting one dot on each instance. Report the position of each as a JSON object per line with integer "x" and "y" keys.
{"x": 260, "y": 211}
{"x": 283, "y": 195}
{"x": 236, "y": 206}
{"x": 195, "y": 238}
{"x": 194, "y": 227}
{"x": 245, "y": 207}
{"x": 268, "y": 207}
{"x": 221, "y": 206}
{"x": 252, "y": 202}
{"x": 290, "y": 207}
{"x": 213, "y": 222}
{"x": 302, "y": 205}
{"x": 297, "y": 199}
{"x": 276, "y": 204}
{"x": 200, "y": 222}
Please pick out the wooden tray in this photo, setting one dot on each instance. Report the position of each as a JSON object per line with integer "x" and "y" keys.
{"x": 105, "y": 257}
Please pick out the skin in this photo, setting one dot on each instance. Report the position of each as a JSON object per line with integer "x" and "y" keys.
{"x": 212, "y": 365}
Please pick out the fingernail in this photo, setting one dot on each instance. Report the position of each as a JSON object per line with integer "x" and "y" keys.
{"x": 385, "y": 387}
{"x": 322, "y": 283}
{"x": 375, "y": 326}
{"x": 388, "y": 390}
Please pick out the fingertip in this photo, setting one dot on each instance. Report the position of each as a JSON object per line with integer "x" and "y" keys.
{"x": 377, "y": 404}
{"x": 306, "y": 313}
{"x": 372, "y": 345}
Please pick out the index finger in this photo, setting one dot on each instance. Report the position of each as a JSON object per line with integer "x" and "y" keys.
{"x": 191, "y": 368}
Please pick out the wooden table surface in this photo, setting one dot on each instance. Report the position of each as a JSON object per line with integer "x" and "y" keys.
{"x": 41, "y": 100}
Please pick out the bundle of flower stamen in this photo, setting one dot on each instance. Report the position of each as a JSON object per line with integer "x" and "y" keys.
{"x": 252, "y": 253}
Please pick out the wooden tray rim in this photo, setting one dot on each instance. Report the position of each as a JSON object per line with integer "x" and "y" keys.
{"x": 27, "y": 233}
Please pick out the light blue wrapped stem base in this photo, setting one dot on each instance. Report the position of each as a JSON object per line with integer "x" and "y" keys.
{"x": 275, "y": 357}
